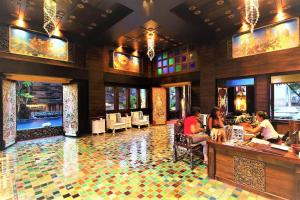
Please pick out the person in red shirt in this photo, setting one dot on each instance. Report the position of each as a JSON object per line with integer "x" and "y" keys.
{"x": 192, "y": 128}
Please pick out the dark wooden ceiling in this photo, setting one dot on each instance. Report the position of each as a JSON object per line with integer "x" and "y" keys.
{"x": 125, "y": 21}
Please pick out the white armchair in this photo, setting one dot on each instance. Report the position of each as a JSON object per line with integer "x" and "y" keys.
{"x": 139, "y": 119}
{"x": 114, "y": 121}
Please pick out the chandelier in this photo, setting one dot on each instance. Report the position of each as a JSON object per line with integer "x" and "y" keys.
{"x": 150, "y": 41}
{"x": 252, "y": 13}
{"x": 49, "y": 16}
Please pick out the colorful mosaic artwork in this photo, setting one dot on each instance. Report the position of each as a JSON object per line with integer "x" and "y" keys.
{"x": 31, "y": 43}
{"x": 159, "y": 101}
{"x": 9, "y": 112}
{"x": 136, "y": 164}
{"x": 70, "y": 110}
{"x": 275, "y": 37}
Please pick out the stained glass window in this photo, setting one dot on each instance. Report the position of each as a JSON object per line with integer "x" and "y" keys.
{"x": 159, "y": 64}
{"x": 165, "y": 55}
{"x": 177, "y": 59}
{"x": 178, "y": 68}
{"x": 183, "y": 58}
{"x": 165, "y": 70}
{"x": 171, "y": 69}
{"x": 133, "y": 98}
{"x": 192, "y": 65}
{"x": 184, "y": 67}
{"x": 159, "y": 71}
{"x": 122, "y": 98}
{"x": 177, "y": 51}
{"x": 159, "y": 57}
{"x": 165, "y": 63}
{"x": 171, "y": 61}
{"x": 143, "y": 96}
{"x": 109, "y": 98}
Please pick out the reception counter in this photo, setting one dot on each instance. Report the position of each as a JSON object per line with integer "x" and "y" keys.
{"x": 257, "y": 168}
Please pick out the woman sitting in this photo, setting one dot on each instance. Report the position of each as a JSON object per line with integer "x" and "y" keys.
{"x": 216, "y": 125}
{"x": 193, "y": 129}
{"x": 265, "y": 128}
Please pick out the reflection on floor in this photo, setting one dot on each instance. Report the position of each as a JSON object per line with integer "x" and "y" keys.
{"x": 131, "y": 165}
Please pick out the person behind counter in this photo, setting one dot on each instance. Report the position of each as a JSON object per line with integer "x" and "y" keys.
{"x": 265, "y": 128}
{"x": 193, "y": 129}
{"x": 216, "y": 125}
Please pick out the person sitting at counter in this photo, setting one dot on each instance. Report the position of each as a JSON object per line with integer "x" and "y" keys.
{"x": 265, "y": 129}
{"x": 216, "y": 125}
{"x": 193, "y": 129}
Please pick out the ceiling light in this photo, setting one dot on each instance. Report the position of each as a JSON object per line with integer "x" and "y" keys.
{"x": 197, "y": 12}
{"x": 151, "y": 43}
{"x": 192, "y": 8}
{"x": 108, "y": 11}
{"x": 80, "y": 5}
{"x": 220, "y": 2}
{"x": 49, "y": 16}
{"x": 252, "y": 13}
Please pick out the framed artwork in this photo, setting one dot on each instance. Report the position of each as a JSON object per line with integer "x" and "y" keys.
{"x": 70, "y": 109}
{"x": 223, "y": 100}
{"x": 283, "y": 35}
{"x": 159, "y": 101}
{"x": 126, "y": 62}
{"x": 240, "y": 98}
{"x": 30, "y": 43}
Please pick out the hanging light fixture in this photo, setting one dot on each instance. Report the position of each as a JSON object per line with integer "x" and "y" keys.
{"x": 151, "y": 43}
{"x": 49, "y": 16}
{"x": 252, "y": 13}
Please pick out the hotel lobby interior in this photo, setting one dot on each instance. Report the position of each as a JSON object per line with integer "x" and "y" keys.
{"x": 149, "y": 99}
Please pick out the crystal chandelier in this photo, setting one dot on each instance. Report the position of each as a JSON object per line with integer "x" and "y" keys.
{"x": 252, "y": 13}
{"x": 150, "y": 41}
{"x": 49, "y": 16}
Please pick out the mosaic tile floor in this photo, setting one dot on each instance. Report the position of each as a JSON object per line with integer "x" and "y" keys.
{"x": 136, "y": 164}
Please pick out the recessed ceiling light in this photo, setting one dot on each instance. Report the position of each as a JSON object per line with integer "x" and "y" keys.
{"x": 211, "y": 23}
{"x": 227, "y": 12}
{"x": 103, "y": 15}
{"x": 220, "y": 2}
{"x": 72, "y": 17}
{"x": 206, "y": 20}
{"x": 231, "y": 16}
{"x": 70, "y": 21}
{"x": 218, "y": 29}
{"x": 80, "y": 5}
{"x": 197, "y": 12}
{"x": 90, "y": 27}
{"x": 108, "y": 11}
{"x": 192, "y": 8}
{"x": 93, "y": 24}
{"x": 84, "y": 1}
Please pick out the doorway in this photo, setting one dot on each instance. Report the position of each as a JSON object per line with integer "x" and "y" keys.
{"x": 178, "y": 100}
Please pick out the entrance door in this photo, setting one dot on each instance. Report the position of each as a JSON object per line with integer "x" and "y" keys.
{"x": 159, "y": 105}
{"x": 175, "y": 95}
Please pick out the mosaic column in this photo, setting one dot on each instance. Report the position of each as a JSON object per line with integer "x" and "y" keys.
{"x": 70, "y": 109}
{"x": 8, "y": 121}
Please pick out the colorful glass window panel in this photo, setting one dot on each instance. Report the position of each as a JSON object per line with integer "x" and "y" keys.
{"x": 171, "y": 61}
{"x": 171, "y": 69}
{"x": 165, "y": 55}
{"x": 159, "y": 71}
{"x": 109, "y": 98}
{"x": 159, "y": 64}
{"x": 184, "y": 67}
{"x": 122, "y": 98}
{"x": 177, "y": 52}
{"x": 159, "y": 57}
{"x": 165, "y": 70}
{"x": 133, "y": 98}
{"x": 178, "y": 68}
{"x": 177, "y": 59}
{"x": 184, "y": 58}
{"x": 165, "y": 63}
{"x": 192, "y": 65}
{"x": 171, "y": 53}
{"x": 143, "y": 96}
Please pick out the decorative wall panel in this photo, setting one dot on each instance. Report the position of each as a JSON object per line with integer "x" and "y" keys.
{"x": 126, "y": 62}
{"x": 70, "y": 109}
{"x": 223, "y": 100}
{"x": 9, "y": 112}
{"x": 283, "y": 35}
{"x": 159, "y": 106}
{"x": 250, "y": 173}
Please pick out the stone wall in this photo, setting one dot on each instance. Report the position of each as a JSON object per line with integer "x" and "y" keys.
{"x": 39, "y": 133}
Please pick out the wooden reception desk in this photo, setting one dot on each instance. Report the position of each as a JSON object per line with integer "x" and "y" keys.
{"x": 257, "y": 168}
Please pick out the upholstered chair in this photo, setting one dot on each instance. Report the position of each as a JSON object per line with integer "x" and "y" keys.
{"x": 139, "y": 119}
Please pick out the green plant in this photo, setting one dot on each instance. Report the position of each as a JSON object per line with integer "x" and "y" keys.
{"x": 23, "y": 93}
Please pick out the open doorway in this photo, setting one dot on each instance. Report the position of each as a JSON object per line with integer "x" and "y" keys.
{"x": 178, "y": 100}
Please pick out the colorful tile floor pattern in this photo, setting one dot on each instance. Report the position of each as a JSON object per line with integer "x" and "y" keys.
{"x": 136, "y": 164}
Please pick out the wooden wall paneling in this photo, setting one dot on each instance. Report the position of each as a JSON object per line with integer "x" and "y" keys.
{"x": 262, "y": 93}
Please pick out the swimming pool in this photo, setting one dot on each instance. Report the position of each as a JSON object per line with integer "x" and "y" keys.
{"x": 38, "y": 123}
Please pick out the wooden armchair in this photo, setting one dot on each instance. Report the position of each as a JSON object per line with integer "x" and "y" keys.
{"x": 184, "y": 143}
